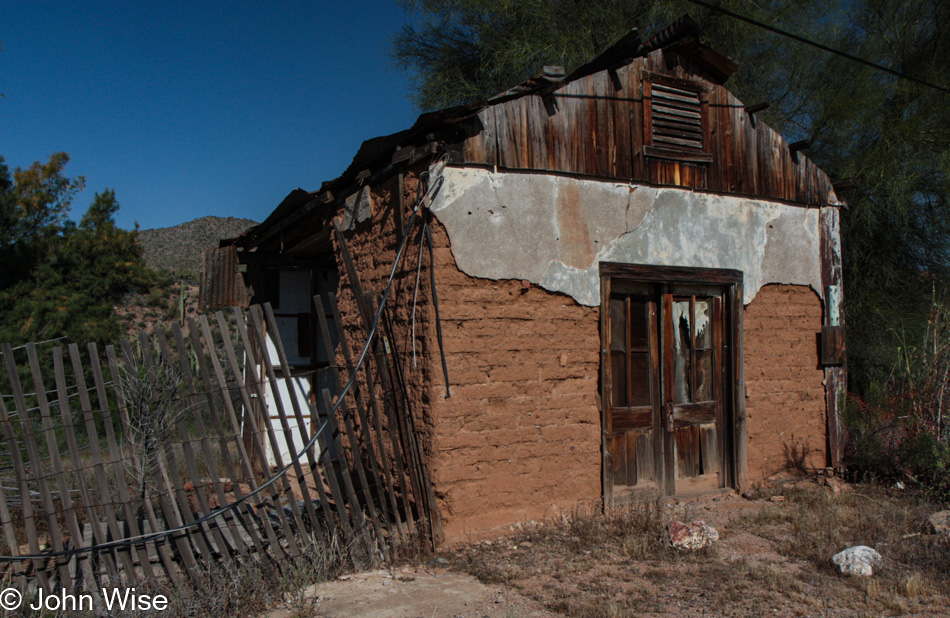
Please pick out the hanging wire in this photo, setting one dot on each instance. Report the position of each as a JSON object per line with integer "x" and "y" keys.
{"x": 415, "y": 293}
{"x": 815, "y": 44}
{"x": 426, "y": 200}
{"x": 20, "y": 347}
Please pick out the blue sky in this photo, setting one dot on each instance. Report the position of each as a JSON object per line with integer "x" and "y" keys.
{"x": 198, "y": 108}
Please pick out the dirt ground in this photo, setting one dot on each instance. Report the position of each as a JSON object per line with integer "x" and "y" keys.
{"x": 411, "y": 591}
{"x": 773, "y": 558}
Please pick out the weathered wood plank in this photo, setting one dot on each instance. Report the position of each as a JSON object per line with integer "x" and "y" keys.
{"x": 599, "y": 126}
{"x": 646, "y": 460}
{"x": 198, "y": 534}
{"x": 35, "y": 459}
{"x": 257, "y": 500}
{"x": 313, "y": 460}
{"x": 618, "y": 471}
{"x": 218, "y": 533}
{"x": 29, "y": 518}
{"x": 52, "y": 446}
{"x": 252, "y": 367}
{"x": 365, "y": 429}
{"x": 260, "y": 333}
{"x": 688, "y": 451}
{"x": 709, "y": 439}
{"x": 125, "y": 555}
{"x": 205, "y": 349}
{"x": 85, "y": 496}
{"x": 348, "y": 499}
{"x": 393, "y": 429}
{"x": 389, "y": 376}
{"x": 632, "y": 456}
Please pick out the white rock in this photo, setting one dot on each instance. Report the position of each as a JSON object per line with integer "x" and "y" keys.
{"x": 691, "y": 536}
{"x": 857, "y": 560}
{"x": 940, "y": 522}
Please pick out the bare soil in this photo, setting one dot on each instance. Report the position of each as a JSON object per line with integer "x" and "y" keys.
{"x": 412, "y": 591}
{"x": 773, "y": 558}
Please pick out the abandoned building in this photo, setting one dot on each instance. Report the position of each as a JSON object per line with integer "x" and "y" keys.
{"x": 615, "y": 282}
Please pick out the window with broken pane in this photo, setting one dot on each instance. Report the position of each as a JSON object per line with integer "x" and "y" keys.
{"x": 692, "y": 343}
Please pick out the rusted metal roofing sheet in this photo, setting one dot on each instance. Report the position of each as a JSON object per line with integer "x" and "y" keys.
{"x": 222, "y": 284}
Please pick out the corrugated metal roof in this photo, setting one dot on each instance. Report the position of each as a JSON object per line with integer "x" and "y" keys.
{"x": 221, "y": 282}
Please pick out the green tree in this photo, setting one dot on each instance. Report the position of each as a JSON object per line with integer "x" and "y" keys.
{"x": 891, "y": 135}
{"x": 60, "y": 279}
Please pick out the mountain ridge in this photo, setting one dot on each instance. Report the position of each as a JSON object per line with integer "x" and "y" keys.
{"x": 178, "y": 248}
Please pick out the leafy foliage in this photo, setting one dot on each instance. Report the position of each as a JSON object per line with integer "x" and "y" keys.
{"x": 892, "y": 136}
{"x": 61, "y": 279}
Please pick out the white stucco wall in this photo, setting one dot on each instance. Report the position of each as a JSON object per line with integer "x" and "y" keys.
{"x": 554, "y": 231}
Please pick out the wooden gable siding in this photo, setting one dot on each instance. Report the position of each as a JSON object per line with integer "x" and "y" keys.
{"x": 594, "y": 126}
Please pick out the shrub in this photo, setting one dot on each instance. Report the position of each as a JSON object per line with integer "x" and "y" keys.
{"x": 900, "y": 430}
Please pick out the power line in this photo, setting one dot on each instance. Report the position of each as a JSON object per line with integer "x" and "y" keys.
{"x": 231, "y": 506}
{"x": 820, "y": 46}
{"x": 20, "y": 347}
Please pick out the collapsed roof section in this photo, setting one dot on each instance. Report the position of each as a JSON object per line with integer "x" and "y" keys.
{"x": 520, "y": 128}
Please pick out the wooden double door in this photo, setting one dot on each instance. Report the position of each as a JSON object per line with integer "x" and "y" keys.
{"x": 668, "y": 357}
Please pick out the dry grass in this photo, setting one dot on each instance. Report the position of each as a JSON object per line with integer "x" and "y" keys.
{"x": 774, "y": 558}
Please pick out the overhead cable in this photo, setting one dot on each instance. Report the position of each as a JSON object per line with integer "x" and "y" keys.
{"x": 831, "y": 50}
{"x": 145, "y": 538}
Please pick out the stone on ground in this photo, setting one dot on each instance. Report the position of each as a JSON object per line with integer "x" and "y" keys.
{"x": 857, "y": 560}
{"x": 692, "y": 536}
{"x": 940, "y": 522}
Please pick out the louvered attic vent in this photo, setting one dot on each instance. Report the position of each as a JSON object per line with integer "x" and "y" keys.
{"x": 674, "y": 125}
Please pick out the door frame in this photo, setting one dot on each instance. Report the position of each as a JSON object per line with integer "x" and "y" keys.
{"x": 735, "y": 454}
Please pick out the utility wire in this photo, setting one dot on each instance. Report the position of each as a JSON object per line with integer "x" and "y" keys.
{"x": 820, "y": 46}
{"x": 364, "y": 354}
{"x": 20, "y": 347}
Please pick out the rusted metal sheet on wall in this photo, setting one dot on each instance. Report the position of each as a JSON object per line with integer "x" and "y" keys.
{"x": 832, "y": 345}
{"x": 595, "y": 126}
{"x": 222, "y": 284}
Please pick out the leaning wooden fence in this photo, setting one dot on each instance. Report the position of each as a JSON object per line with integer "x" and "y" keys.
{"x": 148, "y": 461}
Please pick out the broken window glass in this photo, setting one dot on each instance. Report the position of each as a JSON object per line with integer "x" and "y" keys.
{"x": 681, "y": 351}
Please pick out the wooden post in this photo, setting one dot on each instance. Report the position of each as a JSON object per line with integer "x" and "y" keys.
{"x": 351, "y": 434}
{"x": 92, "y": 433}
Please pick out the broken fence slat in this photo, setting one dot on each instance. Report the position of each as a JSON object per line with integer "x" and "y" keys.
{"x": 36, "y": 460}
{"x": 256, "y": 499}
{"x": 351, "y": 434}
{"x": 261, "y": 335}
{"x": 90, "y": 578}
{"x": 125, "y": 555}
{"x": 203, "y": 348}
{"x": 374, "y": 405}
{"x": 314, "y": 461}
{"x": 293, "y": 550}
{"x": 348, "y": 500}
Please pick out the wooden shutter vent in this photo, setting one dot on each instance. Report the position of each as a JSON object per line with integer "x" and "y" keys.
{"x": 675, "y": 123}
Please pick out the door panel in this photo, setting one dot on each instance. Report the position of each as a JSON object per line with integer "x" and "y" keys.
{"x": 664, "y": 380}
{"x": 634, "y": 391}
{"x": 694, "y": 332}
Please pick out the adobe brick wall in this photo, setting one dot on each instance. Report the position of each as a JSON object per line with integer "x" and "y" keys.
{"x": 785, "y": 397}
{"x": 520, "y": 436}
{"x": 372, "y": 245}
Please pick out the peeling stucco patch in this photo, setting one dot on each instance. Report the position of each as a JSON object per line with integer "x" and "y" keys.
{"x": 554, "y": 231}
{"x": 357, "y": 208}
